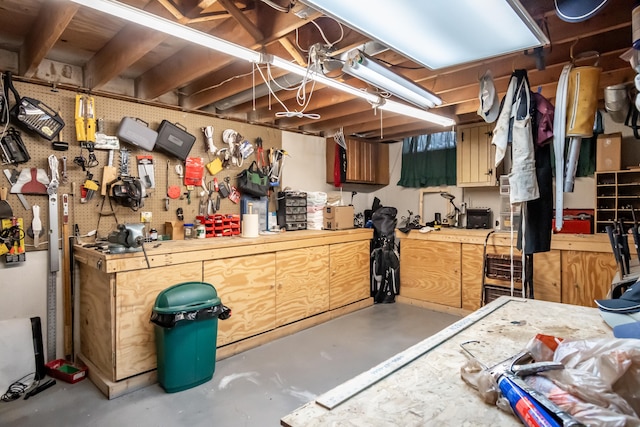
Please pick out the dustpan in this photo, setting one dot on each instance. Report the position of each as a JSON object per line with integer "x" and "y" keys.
{"x": 31, "y": 181}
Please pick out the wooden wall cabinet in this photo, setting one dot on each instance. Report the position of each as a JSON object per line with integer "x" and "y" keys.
{"x": 475, "y": 156}
{"x": 616, "y": 193}
{"x": 367, "y": 162}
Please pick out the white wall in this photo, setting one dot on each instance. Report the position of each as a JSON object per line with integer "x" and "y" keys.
{"x": 305, "y": 169}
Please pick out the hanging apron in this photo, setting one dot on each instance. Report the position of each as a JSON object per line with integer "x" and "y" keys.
{"x": 523, "y": 182}
{"x": 501, "y": 132}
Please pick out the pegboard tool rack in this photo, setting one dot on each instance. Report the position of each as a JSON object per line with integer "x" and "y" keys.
{"x": 112, "y": 110}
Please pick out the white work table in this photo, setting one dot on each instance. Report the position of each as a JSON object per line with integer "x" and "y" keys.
{"x": 429, "y": 390}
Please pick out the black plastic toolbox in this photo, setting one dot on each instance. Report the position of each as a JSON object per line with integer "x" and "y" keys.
{"x": 173, "y": 139}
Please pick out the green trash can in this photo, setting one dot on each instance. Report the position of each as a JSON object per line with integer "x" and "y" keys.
{"x": 186, "y": 329}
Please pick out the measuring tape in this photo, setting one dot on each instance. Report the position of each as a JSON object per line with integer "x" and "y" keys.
{"x": 51, "y": 315}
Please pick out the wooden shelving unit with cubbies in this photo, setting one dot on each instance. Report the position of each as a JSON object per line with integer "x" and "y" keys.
{"x": 617, "y": 193}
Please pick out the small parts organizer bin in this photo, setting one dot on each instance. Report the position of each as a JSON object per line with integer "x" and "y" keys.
{"x": 221, "y": 225}
{"x": 292, "y": 210}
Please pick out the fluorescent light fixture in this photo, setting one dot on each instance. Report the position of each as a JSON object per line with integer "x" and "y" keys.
{"x": 321, "y": 78}
{"x": 407, "y": 110}
{"x": 361, "y": 66}
{"x": 440, "y": 33}
{"x": 175, "y": 29}
{"x": 375, "y": 100}
{"x": 171, "y": 28}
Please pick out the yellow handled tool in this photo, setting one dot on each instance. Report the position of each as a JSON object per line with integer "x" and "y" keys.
{"x": 81, "y": 130}
{"x": 85, "y": 118}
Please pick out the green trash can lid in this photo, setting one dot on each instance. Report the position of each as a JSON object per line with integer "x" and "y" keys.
{"x": 186, "y": 297}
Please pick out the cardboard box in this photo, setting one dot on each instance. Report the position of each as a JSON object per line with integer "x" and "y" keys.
{"x": 338, "y": 217}
{"x": 608, "y": 152}
{"x": 174, "y": 229}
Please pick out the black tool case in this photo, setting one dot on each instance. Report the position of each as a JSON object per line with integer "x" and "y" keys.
{"x": 137, "y": 132}
{"x": 174, "y": 139}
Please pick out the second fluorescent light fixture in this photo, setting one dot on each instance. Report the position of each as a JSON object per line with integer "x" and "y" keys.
{"x": 364, "y": 68}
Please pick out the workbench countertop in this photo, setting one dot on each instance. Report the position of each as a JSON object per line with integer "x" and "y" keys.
{"x": 171, "y": 252}
{"x": 428, "y": 390}
{"x": 579, "y": 242}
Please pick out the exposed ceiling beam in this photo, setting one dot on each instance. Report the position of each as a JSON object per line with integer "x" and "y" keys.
{"x": 371, "y": 126}
{"x": 293, "y": 51}
{"x": 242, "y": 19}
{"x": 213, "y": 94}
{"x": 120, "y": 53}
{"x": 51, "y": 22}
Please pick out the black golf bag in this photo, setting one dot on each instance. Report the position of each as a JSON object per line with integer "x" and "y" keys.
{"x": 385, "y": 262}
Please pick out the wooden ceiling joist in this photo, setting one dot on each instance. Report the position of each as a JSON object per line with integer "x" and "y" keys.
{"x": 52, "y": 20}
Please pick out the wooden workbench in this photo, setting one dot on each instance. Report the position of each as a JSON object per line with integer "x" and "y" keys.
{"x": 275, "y": 285}
{"x": 443, "y": 270}
{"x": 429, "y": 390}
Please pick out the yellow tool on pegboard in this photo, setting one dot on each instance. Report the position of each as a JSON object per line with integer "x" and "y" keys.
{"x": 12, "y": 240}
{"x": 85, "y": 118}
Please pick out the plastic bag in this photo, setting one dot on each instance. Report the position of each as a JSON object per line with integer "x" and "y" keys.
{"x": 600, "y": 384}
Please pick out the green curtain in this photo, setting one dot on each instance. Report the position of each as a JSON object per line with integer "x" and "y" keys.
{"x": 428, "y": 160}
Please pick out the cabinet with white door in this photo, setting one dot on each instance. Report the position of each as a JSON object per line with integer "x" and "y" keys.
{"x": 475, "y": 156}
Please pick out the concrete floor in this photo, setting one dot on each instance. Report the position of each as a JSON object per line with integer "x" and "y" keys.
{"x": 254, "y": 388}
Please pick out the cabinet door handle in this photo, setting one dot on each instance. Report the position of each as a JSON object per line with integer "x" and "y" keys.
{"x": 489, "y": 172}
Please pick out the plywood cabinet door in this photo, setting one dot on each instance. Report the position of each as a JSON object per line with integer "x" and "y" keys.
{"x": 246, "y": 285}
{"x": 302, "y": 283}
{"x": 349, "y": 273}
{"x": 586, "y": 276}
{"x": 430, "y": 271}
{"x": 135, "y": 295}
{"x": 97, "y": 318}
{"x": 475, "y": 156}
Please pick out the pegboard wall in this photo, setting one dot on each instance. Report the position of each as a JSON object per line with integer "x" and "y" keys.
{"x": 86, "y": 215}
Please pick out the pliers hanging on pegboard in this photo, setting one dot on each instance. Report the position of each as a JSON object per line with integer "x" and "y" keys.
{"x": 260, "y": 158}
